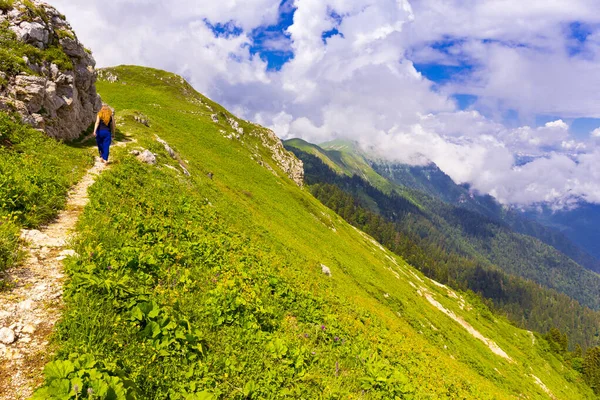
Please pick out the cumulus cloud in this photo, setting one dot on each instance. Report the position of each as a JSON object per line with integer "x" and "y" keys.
{"x": 352, "y": 76}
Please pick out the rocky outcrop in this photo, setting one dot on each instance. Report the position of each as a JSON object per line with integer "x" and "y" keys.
{"x": 287, "y": 161}
{"x": 61, "y": 101}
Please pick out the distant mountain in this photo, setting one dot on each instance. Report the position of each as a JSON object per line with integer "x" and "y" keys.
{"x": 345, "y": 158}
{"x": 553, "y": 229}
{"x": 581, "y": 225}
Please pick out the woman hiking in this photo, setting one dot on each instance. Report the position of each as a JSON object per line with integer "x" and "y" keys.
{"x": 104, "y": 131}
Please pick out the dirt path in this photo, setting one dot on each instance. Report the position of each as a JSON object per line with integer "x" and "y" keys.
{"x": 29, "y": 310}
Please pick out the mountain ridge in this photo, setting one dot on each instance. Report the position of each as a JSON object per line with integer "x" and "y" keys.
{"x": 237, "y": 257}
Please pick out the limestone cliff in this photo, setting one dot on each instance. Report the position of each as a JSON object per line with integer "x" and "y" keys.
{"x": 47, "y": 75}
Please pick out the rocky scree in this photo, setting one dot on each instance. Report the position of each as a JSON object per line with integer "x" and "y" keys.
{"x": 59, "y": 98}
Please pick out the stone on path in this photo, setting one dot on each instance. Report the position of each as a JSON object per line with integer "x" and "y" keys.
{"x": 7, "y": 336}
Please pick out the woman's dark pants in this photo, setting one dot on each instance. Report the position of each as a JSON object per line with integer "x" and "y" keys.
{"x": 103, "y": 139}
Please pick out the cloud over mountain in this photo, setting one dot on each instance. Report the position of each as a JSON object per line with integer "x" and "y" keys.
{"x": 321, "y": 69}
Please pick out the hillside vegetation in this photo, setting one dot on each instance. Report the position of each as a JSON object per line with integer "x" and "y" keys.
{"x": 202, "y": 287}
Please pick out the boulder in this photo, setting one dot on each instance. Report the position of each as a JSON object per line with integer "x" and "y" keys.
{"x": 286, "y": 160}
{"x": 147, "y": 157}
{"x": 31, "y": 90}
{"x": 235, "y": 125}
{"x": 325, "y": 270}
{"x": 7, "y": 336}
{"x": 168, "y": 148}
{"x": 72, "y": 48}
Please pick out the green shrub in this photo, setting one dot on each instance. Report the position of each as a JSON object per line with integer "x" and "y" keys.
{"x": 9, "y": 243}
{"x": 57, "y": 56}
{"x": 6, "y": 5}
{"x": 64, "y": 34}
{"x": 35, "y": 11}
{"x": 81, "y": 377}
{"x": 10, "y": 63}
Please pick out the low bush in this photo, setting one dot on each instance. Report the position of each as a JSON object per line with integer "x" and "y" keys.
{"x": 36, "y": 173}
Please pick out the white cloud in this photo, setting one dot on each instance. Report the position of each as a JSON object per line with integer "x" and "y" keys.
{"x": 521, "y": 50}
{"x": 361, "y": 84}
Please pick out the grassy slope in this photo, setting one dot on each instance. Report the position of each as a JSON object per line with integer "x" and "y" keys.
{"x": 350, "y": 161}
{"x": 238, "y": 259}
{"x": 317, "y": 152}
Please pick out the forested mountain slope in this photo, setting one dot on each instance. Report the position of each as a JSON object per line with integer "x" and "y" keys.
{"x": 580, "y": 224}
{"x": 346, "y": 158}
{"x": 212, "y": 274}
{"x": 434, "y": 182}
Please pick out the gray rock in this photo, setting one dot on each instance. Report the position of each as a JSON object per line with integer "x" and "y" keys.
{"x": 30, "y": 90}
{"x": 235, "y": 125}
{"x": 7, "y": 336}
{"x": 107, "y": 76}
{"x": 142, "y": 119}
{"x": 28, "y": 329}
{"x": 54, "y": 71}
{"x": 325, "y": 269}
{"x": 14, "y": 14}
{"x": 68, "y": 253}
{"x": 215, "y": 118}
{"x": 147, "y": 157}
{"x": 32, "y": 33}
{"x": 72, "y": 47}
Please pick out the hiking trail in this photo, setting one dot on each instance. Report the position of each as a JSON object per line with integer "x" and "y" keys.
{"x": 33, "y": 304}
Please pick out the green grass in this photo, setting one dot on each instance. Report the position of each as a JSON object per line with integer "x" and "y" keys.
{"x": 35, "y": 175}
{"x": 317, "y": 152}
{"x": 198, "y": 288}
